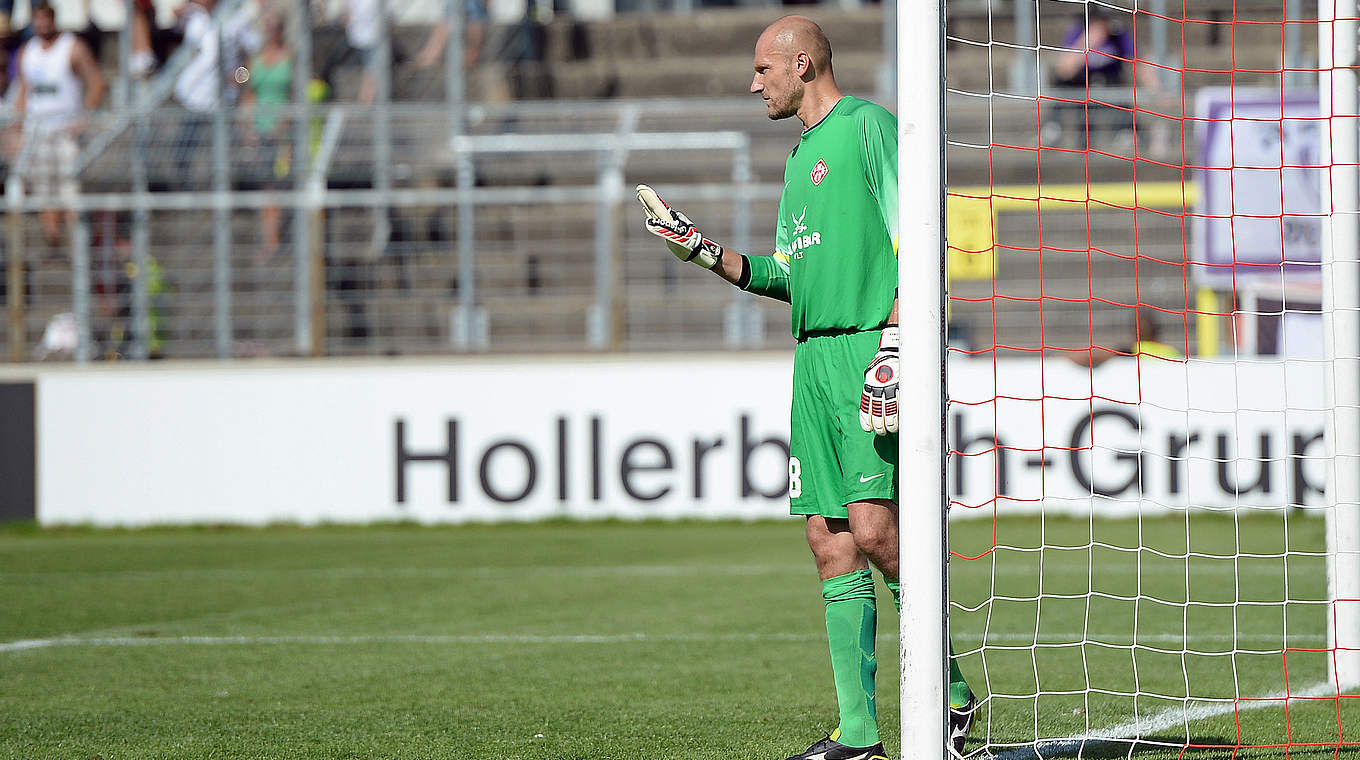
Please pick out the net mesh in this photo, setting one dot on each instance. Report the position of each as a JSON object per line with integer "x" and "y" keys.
{"x": 1139, "y": 528}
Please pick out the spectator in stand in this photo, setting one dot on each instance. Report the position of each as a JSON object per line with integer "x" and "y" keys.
{"x": 270, "y": 90}
{"x": 199, "y": 84}
{"x": 59, "y": 82}
{"x": 1094, "y": 50}
{"x": 522, "y": 52}
{"x": 114, "y": 329}
{"x": 1096, "y": 53}
{"x": 9, "y": 66}
{"x": 474, "y": 34}
{"x": 219, "y": 44}
{"x": 1144, "y": 342}
{"x": 142, "y": 61}
{"x": 241, "y": 40}
{"x": 362, "y": 19}
{"x": 91, "y": 33}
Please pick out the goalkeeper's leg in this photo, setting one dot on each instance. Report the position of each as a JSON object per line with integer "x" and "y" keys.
{"x": 874, "y": 524}
{"x": 851, "y": 630}
{"x": 961, "y": 701}
{"x": 959, "y": 693}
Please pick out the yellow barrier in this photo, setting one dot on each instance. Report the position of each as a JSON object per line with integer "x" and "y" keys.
{"x": 970, "y": 226}
{"x": 970, "y": 212}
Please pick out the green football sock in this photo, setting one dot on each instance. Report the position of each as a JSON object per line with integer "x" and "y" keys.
{"x": 958, "y": 686}
{"x": 895, "y": 588}
{"x": 851, "y": 625}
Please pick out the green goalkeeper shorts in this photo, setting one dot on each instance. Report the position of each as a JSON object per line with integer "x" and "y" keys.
{"x": 832, "y": 461}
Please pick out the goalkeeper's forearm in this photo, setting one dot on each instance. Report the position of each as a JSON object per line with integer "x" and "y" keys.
{"x": 731, "y": 266}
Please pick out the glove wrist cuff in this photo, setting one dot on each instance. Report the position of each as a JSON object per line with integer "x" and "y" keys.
{"x": 708, "y": 254}
{"x": 889, "y": 340}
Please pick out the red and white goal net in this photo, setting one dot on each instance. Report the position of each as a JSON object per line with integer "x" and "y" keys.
{"x": 1152, "y": 380}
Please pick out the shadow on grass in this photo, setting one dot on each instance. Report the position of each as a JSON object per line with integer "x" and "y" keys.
{"x": 1155, "y": 747}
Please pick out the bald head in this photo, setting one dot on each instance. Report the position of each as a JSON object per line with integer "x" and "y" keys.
{"x": 793, "y": 70}
{"x": 792, "y": 35}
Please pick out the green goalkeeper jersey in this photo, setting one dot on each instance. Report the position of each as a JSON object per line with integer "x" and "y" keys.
{"x": 835, "y": 258}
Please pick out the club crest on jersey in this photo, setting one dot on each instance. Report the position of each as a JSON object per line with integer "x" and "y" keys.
{"x": 819, "y": 172}
{"x": 798, "y": 226}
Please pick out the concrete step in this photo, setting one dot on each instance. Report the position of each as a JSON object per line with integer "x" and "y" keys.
{"x": 713, "y": 76}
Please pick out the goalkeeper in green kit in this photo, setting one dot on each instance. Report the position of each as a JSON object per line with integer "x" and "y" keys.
{"x": 835, "y": 263}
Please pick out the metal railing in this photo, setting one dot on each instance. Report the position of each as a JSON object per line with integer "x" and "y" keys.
{"x": 515, "y": 232}
{"x": 453, "y": 226}
{"x": 169, "y": 201}
{"x": 610, "y": 151}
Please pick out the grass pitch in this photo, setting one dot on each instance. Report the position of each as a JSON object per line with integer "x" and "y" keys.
{"x": 599, "y": 641}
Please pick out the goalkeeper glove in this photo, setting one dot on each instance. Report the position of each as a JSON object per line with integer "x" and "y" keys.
{"x": 878, "y": 403}
{"x": 681, "y": 236}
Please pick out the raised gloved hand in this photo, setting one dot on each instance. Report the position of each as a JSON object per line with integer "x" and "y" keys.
{"x": 878, "y": 403}
{"x": 681, "y": 236}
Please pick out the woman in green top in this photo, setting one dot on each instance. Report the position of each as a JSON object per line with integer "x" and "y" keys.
{"x": 270, "y": 89}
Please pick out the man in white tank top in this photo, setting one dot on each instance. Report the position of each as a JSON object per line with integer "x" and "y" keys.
{"x": 59, "y": 82}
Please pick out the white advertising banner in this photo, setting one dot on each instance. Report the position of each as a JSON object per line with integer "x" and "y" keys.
{"x": 476, "y": 440}
{"x": 667, "y": 436}
{"x": 1135, "y": 435}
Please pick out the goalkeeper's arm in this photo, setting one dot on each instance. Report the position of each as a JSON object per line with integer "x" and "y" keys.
{"x": 730, "y": 266}
{"x": 685, "y": 240}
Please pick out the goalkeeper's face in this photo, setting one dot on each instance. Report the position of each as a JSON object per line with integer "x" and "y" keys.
{"x": 777, "y": 81}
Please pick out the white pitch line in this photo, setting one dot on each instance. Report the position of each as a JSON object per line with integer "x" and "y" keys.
{"x": 1169, "y": 718}
{"x": 509, "y": 638}
{"x": 1161, "y": 721}
{"x": 579, "y": 571}
{"x": 586, "y": 638}
{"x": 1122, "y": 639}
{"x": 584, "y": 571}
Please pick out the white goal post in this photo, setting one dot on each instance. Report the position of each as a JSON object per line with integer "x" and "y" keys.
{"x": 921, "y": 454}
{"x": 924, "y": 444}
{"x": 1337, "y": 93}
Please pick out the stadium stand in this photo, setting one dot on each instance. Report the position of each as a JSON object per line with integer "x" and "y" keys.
{"x": 535, "y": 270}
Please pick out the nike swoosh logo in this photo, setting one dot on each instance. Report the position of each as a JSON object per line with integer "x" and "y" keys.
{"x": 863, "y": 479}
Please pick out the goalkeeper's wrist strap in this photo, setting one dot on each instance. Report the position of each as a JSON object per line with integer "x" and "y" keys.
{"x": 744, "y": 281}
{"x": 888, "y": 341}
{"x": 708, "y": 254}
